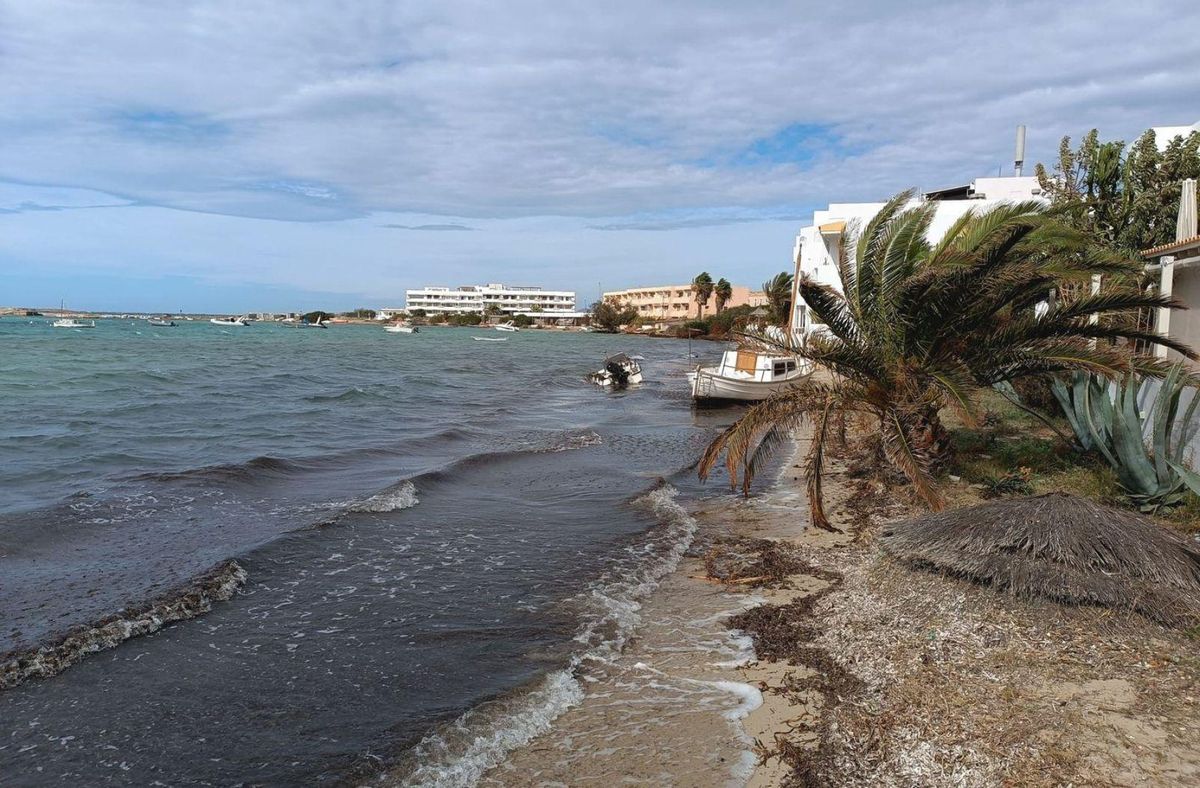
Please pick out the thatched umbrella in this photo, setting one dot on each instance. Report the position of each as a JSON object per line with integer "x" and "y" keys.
{"x": 1059, "y": 547}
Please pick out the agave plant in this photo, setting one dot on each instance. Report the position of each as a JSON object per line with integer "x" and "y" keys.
{"x": 1115, "y": 425}
{"x": 918, "y": 327}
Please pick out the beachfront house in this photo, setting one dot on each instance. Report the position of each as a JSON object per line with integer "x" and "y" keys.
{"x": 819, "y": 246}
{"x": 1177, "y": 266}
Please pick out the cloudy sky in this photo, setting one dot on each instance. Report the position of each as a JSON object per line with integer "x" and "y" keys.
{"x": 282, "y": 155}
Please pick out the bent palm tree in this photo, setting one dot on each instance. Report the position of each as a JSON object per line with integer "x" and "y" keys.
{"x": 918, "y": 327}
{"x": 702, "y": 288}
{"x": 778, "y": 291}
{"x": 723, "y": 291}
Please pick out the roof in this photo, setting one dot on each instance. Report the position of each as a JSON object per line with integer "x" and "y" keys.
{"x": 1174, "y": 246}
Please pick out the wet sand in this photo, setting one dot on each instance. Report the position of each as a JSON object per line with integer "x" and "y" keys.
{"x": 687, "y": 703}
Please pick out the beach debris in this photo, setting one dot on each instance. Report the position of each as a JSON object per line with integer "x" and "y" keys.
{"x": 217, "y": 584}
{"x": 1059, "y": 547}
{"x": 753, "y": 562}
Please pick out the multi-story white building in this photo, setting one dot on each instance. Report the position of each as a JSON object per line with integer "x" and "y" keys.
{"x": 477, "y": 298}
{"x": 819, "y": 246}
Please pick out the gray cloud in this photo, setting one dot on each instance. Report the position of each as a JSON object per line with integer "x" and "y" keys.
{"x": 433, "y": 227}
{"x": 534, "y": 108}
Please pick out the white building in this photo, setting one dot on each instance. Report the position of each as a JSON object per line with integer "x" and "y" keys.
{"x": 1164, "y": 134}
{"x": 819, "y": 246}
{"x": 477, "y": 298}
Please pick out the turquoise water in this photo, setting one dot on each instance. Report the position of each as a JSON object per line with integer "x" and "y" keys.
{"x": 425, "y": 522}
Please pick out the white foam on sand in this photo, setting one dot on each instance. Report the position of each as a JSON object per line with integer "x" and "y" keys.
{"x": 461, "y": 753}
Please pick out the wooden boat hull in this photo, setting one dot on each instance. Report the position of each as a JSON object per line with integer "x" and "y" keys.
{"x": 707, "y": 386}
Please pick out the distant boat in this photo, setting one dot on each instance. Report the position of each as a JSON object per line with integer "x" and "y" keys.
{"x": 509, "y": 326}
{"x": 156, "y": 321}
{"x": 402, "y": 329}
{"x": 229, "y": 321}
{"x": 490, "y": 339}
{"x": 306, "y": 324}
{"x": 70, "y": 322}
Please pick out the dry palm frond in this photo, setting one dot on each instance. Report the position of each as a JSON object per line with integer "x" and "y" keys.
{"x": 1059, "y": 547}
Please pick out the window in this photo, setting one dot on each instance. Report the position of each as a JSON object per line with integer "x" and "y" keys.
{"x": 780, "y": 367}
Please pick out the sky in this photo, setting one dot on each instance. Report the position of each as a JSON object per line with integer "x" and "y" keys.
{"x": 291, "y": 155}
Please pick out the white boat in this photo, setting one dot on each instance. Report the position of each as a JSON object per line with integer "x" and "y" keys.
{"x": 70, "y": 322}
{"x": 747, "y": 376}
{"x": 306, "y": 324}
{"x": 509, "y": 326}
{"x": 400, "y": 328}
{"x": 619, "y": 371}
{"x": 154, "y": 321}
{"x": 229, "y": 321}
{"x": 490, "y": 339}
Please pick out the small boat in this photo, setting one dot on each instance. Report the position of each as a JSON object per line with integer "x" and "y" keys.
{"x": 154, "y": 321}
{"x": 490, "y": 339}
{"x": 747, "y": 376}
{"x": 229, "y": 321}
{"x": 509, "y": 326}
{"x": 306, "y": 324}
{"x": 620, "y": 371}
{"x": 401, "y": 328}
{"x": 70, "y": 322}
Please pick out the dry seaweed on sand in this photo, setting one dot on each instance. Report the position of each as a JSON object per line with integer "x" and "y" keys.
{"x": 754, "y": 562}
{"x": 1059, "y": 547}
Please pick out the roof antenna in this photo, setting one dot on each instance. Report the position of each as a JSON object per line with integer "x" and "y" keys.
{"x": 1019, "y": 159}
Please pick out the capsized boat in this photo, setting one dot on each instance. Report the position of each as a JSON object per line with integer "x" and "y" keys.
{"x": 747, "y": 376}
{"x": 509, "y": 326}
{"x": 620, "y": 371}
{"x": 229, "y": 321}
{"x": 402, "y": 328}
{"x": 70, "y": 322}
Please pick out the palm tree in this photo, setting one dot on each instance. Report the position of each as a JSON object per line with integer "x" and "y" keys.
{"x": 723, "y": 291}
{"x": 778, "y": 290}
{"x": 702, "y": 288}
{"x": 918, "y": 328}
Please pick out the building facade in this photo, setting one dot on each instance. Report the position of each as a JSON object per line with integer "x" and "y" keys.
{"x": 478, "y": 298}
{"x": 668, "y": 303}
{"x": 819, "y": 246}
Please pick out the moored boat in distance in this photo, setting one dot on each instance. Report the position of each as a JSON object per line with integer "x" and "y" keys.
{"x": 70, "y": 322}
{"x": 229, "y": 321}
{"x": 747, "y": 376}
{"x": 163, "y": 322}
{"x": 509, "y": 326}
{"x": 490, "y": 339}
{"x": 402, "y": 328}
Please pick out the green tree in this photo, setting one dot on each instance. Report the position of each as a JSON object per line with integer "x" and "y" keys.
{"x": 702, "y": 288}
{"x": 609, "y": 315}
{"x": 918, "y": 328}
{"x": 316, "y": 316}
{"x": 724, "y": 292}
{"x": 1128, "y": 199}
{"x": 778, "y": 290}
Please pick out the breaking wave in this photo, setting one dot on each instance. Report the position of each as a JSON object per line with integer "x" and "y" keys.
{"x": 403, "y": 496}
{"x": 192, "y": 599}
{"x": 459, "y": 754}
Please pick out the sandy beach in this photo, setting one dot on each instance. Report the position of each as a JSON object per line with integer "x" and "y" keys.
{"x": 779, "y": 654}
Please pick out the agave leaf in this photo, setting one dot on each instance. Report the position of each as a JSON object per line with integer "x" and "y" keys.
{"x": 1187, "y": 475}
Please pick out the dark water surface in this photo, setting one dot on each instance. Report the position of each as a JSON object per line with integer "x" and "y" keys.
{"x": 425, "y": 522}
